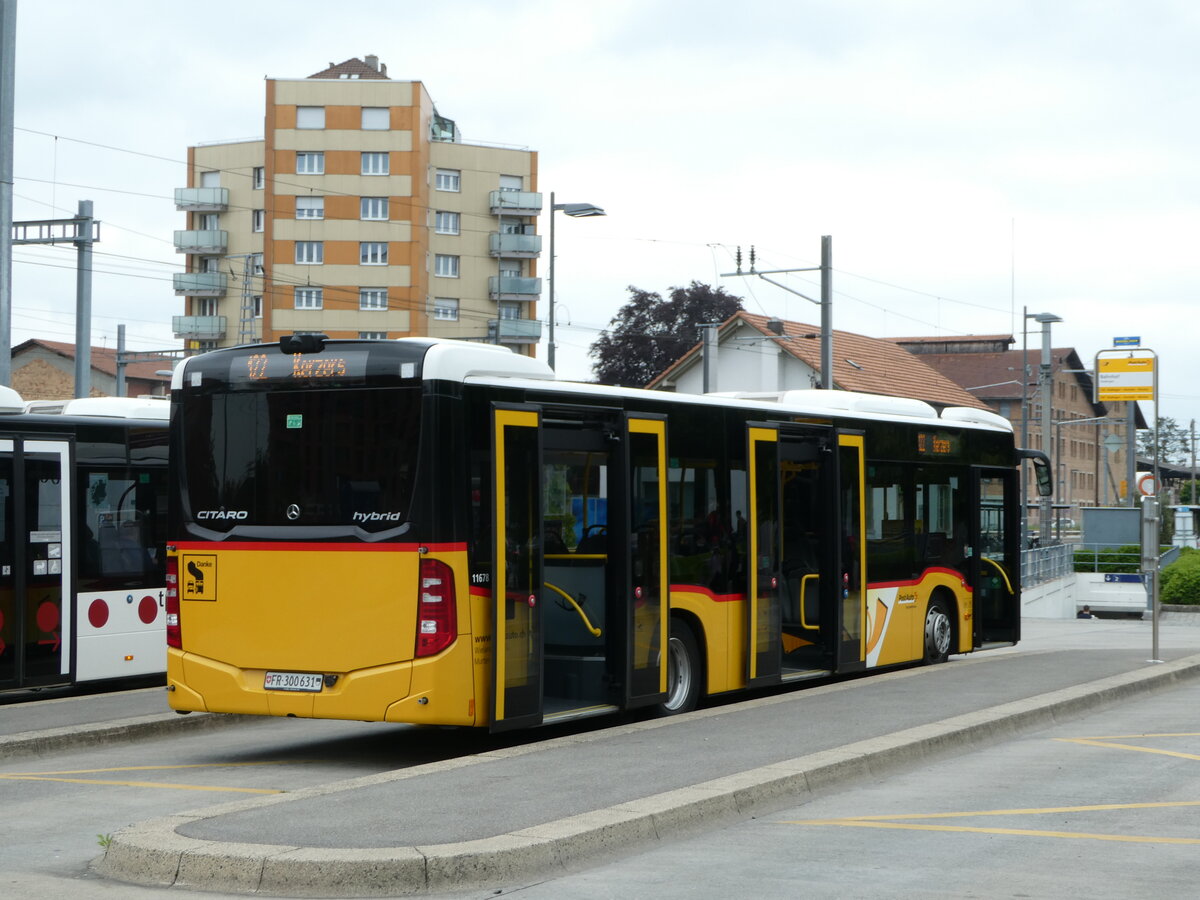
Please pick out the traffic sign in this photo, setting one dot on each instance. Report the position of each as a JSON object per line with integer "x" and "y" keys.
{"x": 1125, "y": 377}
{"x": 1127, "y": 342}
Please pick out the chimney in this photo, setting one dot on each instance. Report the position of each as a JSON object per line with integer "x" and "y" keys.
{"x": 372, "y": 61}
{"x": 383, "y": 69}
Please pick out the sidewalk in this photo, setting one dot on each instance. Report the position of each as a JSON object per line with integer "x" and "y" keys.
{"x": 494, "y": 818}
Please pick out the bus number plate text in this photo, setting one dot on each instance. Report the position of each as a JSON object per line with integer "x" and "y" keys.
{"x": 292, "y": 681}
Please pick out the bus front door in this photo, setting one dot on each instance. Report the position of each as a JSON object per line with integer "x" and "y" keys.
{"x": 992, "y": 569}
{"x": 851, "y": 552}
{"x": 517, "y": 567}
{"x": 35, "y": 562}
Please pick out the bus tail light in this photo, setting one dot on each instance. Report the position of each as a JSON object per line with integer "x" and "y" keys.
{"x": 174, "y": 635}
{"x": 437, "y": 616}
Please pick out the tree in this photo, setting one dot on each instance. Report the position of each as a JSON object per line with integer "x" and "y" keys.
{"x": 1174, "y": 442}
{"x": 648, "y": 333}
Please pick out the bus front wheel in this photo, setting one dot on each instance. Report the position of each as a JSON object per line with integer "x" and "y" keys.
{"x": 937, "y": 633}
{"x": 683, "y": 671}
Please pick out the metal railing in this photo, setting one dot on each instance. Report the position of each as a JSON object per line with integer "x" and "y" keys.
{"x": 1042, "y": 564}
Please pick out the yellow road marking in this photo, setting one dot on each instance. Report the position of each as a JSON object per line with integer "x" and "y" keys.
{"x": 1078, "y": 835}
{"x": 150, "y": 784}
{"x": 62, "y": 777}
{"x": 240, "y": 765}
{"x": 1094, "y": 742}
{"x": 1036, "y": 811}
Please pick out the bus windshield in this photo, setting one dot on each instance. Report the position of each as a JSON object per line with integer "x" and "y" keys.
{"x": 342, "y": 457}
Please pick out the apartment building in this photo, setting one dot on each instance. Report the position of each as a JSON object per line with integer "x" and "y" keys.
{"x": 361, "y": 214}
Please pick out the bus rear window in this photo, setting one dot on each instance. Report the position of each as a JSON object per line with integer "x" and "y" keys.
{"x": 301, "y": 458}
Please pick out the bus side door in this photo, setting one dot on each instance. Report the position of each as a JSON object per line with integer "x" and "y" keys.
{"x": 646, "y": 590}
{"x": 517, "y": 567}
{"x": 763, "y": 607}
{"x": 993, "y": 569}
{"x": 851, "y": 551}
{"x": 35, "y": 564}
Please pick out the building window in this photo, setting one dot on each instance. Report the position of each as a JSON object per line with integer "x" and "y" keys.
{"x": 310, "y": 253}
{"x": 210, "y": 179}
{"x": 447, "y": 223}
{"x": 374, "y": 164}
{"x": 308, "y": 298}
{"x": 448, "y": 180}
{"x": 511, "y": 182}
{"x": 445, "y": 309}
{"x": 310, "y": 117}
{"x": 509, "y": 268}
{"x": 257, "y": 303}
{"x": 373, "y": 208}
{"x": 210, "y": 264}
{"x": 445, "y": 265}
{"x": 206, "y": 306}
{"x": 372, "y": 335}
{"x": 209, "y": 221}
{"x": 258, "y": 219}
{"x": 372, "y": 298}
{"x": 258, "y": 178}
{"x": 310, "y": 207}
{"x": 376, "y": 118}
{"x": 372, "y": 253}
{"x": 310, "y": 162}
{"x": 256, "y": 263}
{"x": 510, "y": 309}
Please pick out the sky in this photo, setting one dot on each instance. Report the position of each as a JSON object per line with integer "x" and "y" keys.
{"x": 971, "y": 161}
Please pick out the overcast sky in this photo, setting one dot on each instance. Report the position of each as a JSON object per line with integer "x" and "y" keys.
{"x": 969, "y": 159}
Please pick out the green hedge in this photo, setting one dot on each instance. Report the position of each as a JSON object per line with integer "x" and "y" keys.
{"x": 1180, "y": 581}
{"x": 1113, "y": 559}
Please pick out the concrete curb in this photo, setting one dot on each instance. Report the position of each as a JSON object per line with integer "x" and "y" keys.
{"x": 154, "y": 853}
{"x": 69, "y": 737}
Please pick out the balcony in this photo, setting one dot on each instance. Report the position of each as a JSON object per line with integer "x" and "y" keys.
{"x": 199, "y": 328}
{"x": 515, "y": 331}
{"x": 516, "y": 246}
{"x": 515, "y": 203}
{"x": 207, "y": 241}
{"x": 510, "y": 287}
{"x": 202, "y": 199}
{"x": 199, "y": 284}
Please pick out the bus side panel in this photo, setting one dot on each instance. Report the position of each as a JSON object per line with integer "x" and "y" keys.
{"x": 722, "y": 634}
{"x": 896, "y": 616}
{"x": 120, "y": 633}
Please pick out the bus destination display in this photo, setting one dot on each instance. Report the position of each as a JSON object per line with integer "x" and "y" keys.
{"x": 349, "y": 365}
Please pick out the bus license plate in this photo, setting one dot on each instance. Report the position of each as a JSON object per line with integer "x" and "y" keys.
{"x": 293, "y": 681}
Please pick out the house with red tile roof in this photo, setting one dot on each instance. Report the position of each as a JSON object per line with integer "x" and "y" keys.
{"x": 754, "y": 357}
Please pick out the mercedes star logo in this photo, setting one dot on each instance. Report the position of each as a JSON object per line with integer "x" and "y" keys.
{"x": 293, "y": 512}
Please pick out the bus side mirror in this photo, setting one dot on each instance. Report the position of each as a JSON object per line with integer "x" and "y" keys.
{"x": 1041, "y": 471}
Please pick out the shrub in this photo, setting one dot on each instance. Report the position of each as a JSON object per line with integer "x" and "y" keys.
{"x": 1180, "y": 581}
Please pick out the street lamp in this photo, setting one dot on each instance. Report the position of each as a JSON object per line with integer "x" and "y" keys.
{"x": 1046, "y": 382}
{"x": 575, "y": 210}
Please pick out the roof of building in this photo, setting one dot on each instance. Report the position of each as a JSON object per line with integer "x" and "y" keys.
{"x": 860, "y": 363}
{"x": 992, "y": 374}
{"x": 104, "y": 359}
{"x": 354, "y": 68}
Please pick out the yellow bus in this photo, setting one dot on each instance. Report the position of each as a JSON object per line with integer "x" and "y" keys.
{"x": 440, "y": 532}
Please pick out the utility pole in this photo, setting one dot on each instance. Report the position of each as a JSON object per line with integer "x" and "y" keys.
{"x": 826, "y": 301}
{"x": 8, "y": 77}
{"x": 82, "y": 231}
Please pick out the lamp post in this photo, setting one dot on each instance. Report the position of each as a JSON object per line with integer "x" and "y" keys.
{"x": 1046, "y": 382}
{"x": 575, "y": 210}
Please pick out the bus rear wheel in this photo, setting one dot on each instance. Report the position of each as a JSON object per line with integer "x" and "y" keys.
{"x": 683, "y": 671}
{"x": 937, "y": 633}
